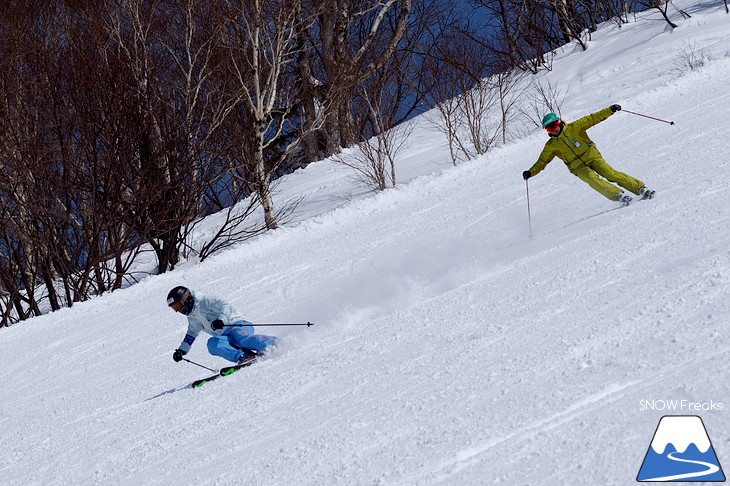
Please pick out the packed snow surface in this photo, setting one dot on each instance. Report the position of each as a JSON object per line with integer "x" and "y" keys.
{"x": 449, "y": 346}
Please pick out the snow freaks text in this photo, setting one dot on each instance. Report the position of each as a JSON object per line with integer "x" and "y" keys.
{"x": 680, "y": 406}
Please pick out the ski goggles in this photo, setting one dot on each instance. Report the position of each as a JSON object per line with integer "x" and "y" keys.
{"x": 554, "y": 126}
{"x": 176, "y": 306}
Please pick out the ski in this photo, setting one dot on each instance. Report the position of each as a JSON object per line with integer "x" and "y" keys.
{"x": 228, "y": 370}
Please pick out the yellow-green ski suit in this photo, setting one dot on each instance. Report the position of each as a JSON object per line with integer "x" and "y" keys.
{"x": 577, "y": 150}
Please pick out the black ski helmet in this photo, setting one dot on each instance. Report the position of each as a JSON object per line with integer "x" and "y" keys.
{"x": 180, "y": 300}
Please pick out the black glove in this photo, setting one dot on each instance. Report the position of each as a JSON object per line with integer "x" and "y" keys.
{"x": 178, "y": 355}
{"x": 217, "y": 324}
{"x": 526, "y": 175}
{"x": 615, "y": 108}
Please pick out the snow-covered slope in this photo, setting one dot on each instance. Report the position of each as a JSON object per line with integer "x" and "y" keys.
{"x": 449, "y": 346}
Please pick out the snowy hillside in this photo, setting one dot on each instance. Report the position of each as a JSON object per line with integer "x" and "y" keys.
{"x": 449, "y": 347}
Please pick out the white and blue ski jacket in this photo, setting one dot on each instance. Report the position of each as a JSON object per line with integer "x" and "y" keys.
{"x": 207, "y": 309}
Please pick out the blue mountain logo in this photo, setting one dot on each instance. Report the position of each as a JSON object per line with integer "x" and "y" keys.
{"x": 681, "y": 451}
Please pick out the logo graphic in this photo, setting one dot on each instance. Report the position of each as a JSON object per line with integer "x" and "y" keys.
{"x": 680, "y": 451}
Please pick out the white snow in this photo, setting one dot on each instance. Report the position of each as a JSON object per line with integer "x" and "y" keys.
{"x": 449, "y": 347}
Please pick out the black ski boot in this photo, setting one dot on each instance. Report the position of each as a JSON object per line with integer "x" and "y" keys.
{"x": 646, "y": 193}
{"x": 624, "y": 199}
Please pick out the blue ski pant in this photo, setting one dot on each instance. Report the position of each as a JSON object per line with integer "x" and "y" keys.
{"x": 232, "y": 344}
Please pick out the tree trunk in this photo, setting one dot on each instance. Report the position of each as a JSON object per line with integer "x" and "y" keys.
{"x": 52, "y": 294}
{"x": 263, "y": 188}
{"x": 565, "y": 20}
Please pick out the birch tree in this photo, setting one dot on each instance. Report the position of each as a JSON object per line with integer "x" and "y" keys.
{"x": 356, "y": 38}
{"x": 262, "y": 42}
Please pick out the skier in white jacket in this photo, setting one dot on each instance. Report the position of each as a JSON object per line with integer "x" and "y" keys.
{"x": 233, "y": 336}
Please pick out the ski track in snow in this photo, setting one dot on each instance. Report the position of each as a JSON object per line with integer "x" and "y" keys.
{"x": 448, "y": 347}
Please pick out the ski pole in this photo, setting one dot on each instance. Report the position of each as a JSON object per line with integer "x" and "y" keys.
{"x": 529, "y": 215}
{"x": 651, "y": 117}
{"x": 196, "y": 364}
{"x": 308, "y": 324}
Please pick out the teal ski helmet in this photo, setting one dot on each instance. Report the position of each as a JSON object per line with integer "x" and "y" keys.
{"x": 549, "y": 118}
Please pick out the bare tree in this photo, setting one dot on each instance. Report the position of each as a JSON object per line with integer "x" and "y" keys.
{"x": 157, "y": 200}
{"x": 174, "y": 61}
{"x": 374, "y": 159}
{"x": 446, "y": 120}
{"x": 465, "y": 98}
{"x": 596, "y": 11}
{"x": 481, "y": 114}
{"x": 510, "y": 86}
{"x": 570, "y": 22}
{"x": 542, "y": 97}
{"x": 690, "y": 58}
{"x": 525, "y": 32}
{"x": 445, "y": 116}
{"x": 230, "y": 232}
{"x": 263, "y": 43}
{"x": 30, "y": 196}
{"x": 662, "y": 6}
{"x": 356, "y": 39}
{"x": 476, "y": 106}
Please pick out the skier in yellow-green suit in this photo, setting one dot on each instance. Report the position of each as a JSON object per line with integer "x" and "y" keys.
{"x": 571, "y": 143}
